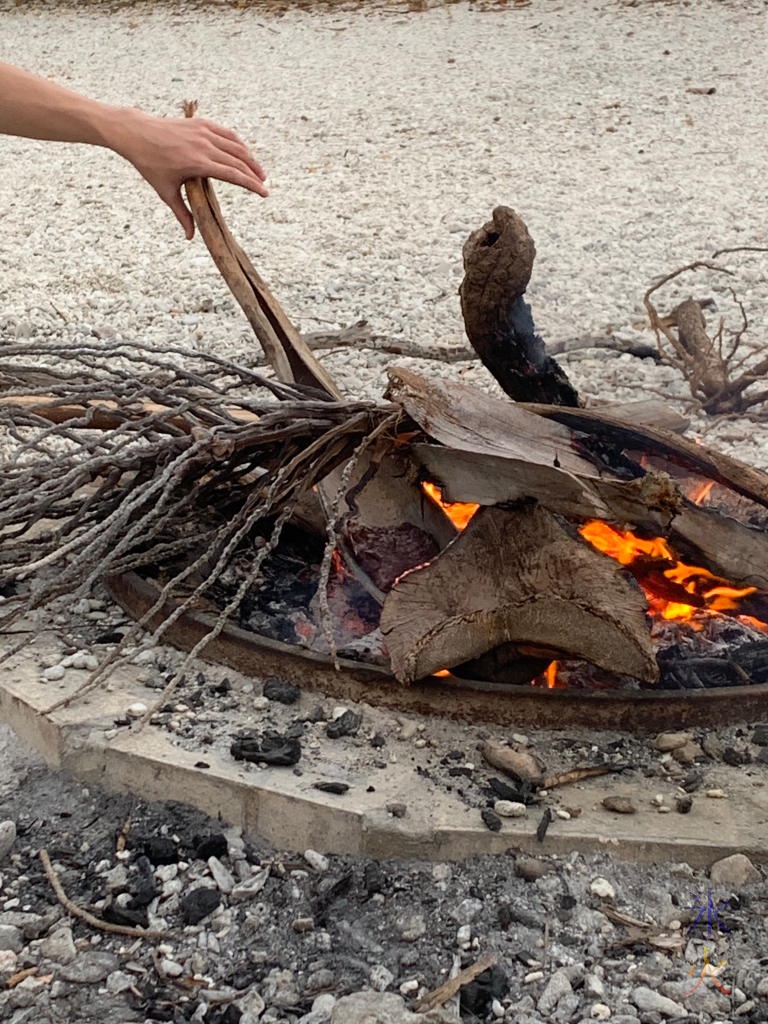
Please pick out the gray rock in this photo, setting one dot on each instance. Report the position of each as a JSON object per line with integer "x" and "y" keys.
{"x": 32, "y": 925}
{"x": 119, "y": 981}
{"x": 59, "y": 946}
{"x": 648, "y": 1001}
{"x": 89, "y": 968}
{"x": 7, "y": 838}
{"x": 280, "y": 989}
{"x": 380, "y": 978}
{"x": 736, "y": 870}
{"x": 557, "y": 987}
{"x": 317, "y": 861}
{"x": 250, "y": 887}
{"x": 467, "y": 911}
{"x": 411, "y": 927}
{"x": 221, "y": 875}
{"x": 382, "y": 1008}
{"x": 11, "y": 938}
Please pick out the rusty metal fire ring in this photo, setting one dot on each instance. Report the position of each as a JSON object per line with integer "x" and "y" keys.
{"x": 466, "y": 700}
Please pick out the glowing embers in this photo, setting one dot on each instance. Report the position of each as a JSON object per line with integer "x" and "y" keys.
{"x": 674, "y": 590}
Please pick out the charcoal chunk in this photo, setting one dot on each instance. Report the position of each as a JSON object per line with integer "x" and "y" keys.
{"x": 271, "y": 748}
{"x": 337, "y": 788}
{"x": 213, "y": 845}
{"x": 491, "y": 819}
{"x": 283, "y": 693}
{"x": 160, "y": 850}
{"x": 199, "y": 903}
{"x": 345, "y": 725}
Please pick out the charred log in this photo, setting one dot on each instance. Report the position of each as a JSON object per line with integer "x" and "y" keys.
{"x": 498, "y": 260}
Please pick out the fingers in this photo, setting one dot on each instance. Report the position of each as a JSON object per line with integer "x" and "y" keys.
{"x": 240, "y": 151}
{"x": 183, "y": 216}
{"x": 237, "y": 173}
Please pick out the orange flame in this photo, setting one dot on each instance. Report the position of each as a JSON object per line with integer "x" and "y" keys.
{"x": 459, "y": 512}
{"x": 709, "y": 593}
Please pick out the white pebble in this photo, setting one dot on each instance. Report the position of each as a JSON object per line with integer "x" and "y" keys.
{"x": 602, "y": 887}
{"x": 54, "y": 673}
{"x": 316, "y": 860}
{"x": 510, "y": 809}
{"x": 715, "y": 794}
{"x": 136, "y": 710}
{"x": 409, "y": 987}
{"x": 599, "y": 1011}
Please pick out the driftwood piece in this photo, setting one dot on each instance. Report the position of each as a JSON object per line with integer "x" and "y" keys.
{"x": 516, "y": 576}
{"x": 498, "y": 260}
{"x": 287, "y": 353}
{"x": 467, "y": 419}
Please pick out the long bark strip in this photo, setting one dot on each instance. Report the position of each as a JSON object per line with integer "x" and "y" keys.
{"x": 283, "y": 346}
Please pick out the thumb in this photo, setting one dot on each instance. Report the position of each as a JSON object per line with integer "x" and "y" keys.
{"x": 182, "y": 214}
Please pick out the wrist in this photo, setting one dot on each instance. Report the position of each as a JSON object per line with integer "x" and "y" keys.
{"x": 114, "y": 127}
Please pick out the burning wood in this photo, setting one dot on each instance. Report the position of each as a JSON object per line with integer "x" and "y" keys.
{"x": 481, "y": 527}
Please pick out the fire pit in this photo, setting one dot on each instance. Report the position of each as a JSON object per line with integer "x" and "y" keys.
{"x": 517, "y": 561}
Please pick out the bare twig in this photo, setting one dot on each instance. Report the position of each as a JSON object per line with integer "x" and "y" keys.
{"x": 88, "y": 918}
{"x": 437, "y": 997}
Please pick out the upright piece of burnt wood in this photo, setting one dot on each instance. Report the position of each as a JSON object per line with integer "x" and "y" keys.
{"x": 498, "y": 260}
{"x": 516, "y": 576}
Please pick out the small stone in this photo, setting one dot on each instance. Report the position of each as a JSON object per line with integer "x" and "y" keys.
{"x": 54, "y": 673}
{"x": 380, "y": 978}
{"x": 602, "y": 887}
{"x": 59, "y": 946}
{"x": 599, "y": 1011}
{"x": 734, "y": 871}
{"x": 409, "y": 987}
{"x": 688, "y": 753}
{"x": 562, "y": 815}
{"x": 593, "y": 987}
{"x": 221, "y": 875}
{"x": 7, "y": 838}
{"x": 170, "y": 968}
{"x": 250, "y": 887}
{"x": 491, "y": 820}
{"x": 303, "y": 924}
{"x": 397, "y": 810}
{"x": 533, "y": 976}
{"x": 558, "y": 986}
{"x": 11, "y": 938}
{"x": 118, "y": 981}
{"x": 137, "y": 709}
{"x": 8, "y": 961}
{"x": 619, "y": 805}
{"x": 317, "y": 861}
{"x": 683, "y": 804}
{"x": 283, "y": 693}
{"x": 89, "y": 968}
{"x": 464, "y": 935}
{"x": 531, "y": 869}
{"x": 198, "y": 904}
{"x": 497, "y": 1009}
{"x": 346, "y": 724}
{"x": 648, "y": 1001}
{"x": 510, "y": 809}
{"x": 411, "y": 927}
{"x": 466, "y": 911}
{"x": 667, "y": 741}
{"x": 715, "y": 794}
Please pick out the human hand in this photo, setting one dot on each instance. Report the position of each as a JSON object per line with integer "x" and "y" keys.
{"x": 168, "y": 151}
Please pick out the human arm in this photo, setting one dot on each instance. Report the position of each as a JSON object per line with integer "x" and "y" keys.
{"x": 165, "y": 151}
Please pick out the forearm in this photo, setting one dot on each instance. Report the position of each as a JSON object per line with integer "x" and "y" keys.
{"x": 36, "y": 108}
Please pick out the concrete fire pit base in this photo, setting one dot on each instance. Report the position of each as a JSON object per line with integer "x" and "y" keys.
{"x": 284, "y": 809}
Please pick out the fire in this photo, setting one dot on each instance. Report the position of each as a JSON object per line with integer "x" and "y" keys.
{"x": 459, "y": 512}
{"x": 550, "y": 675}
{"x": 709, "y": 593}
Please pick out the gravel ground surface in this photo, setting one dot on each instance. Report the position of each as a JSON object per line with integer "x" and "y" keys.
{"x": 388, "y": 136}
